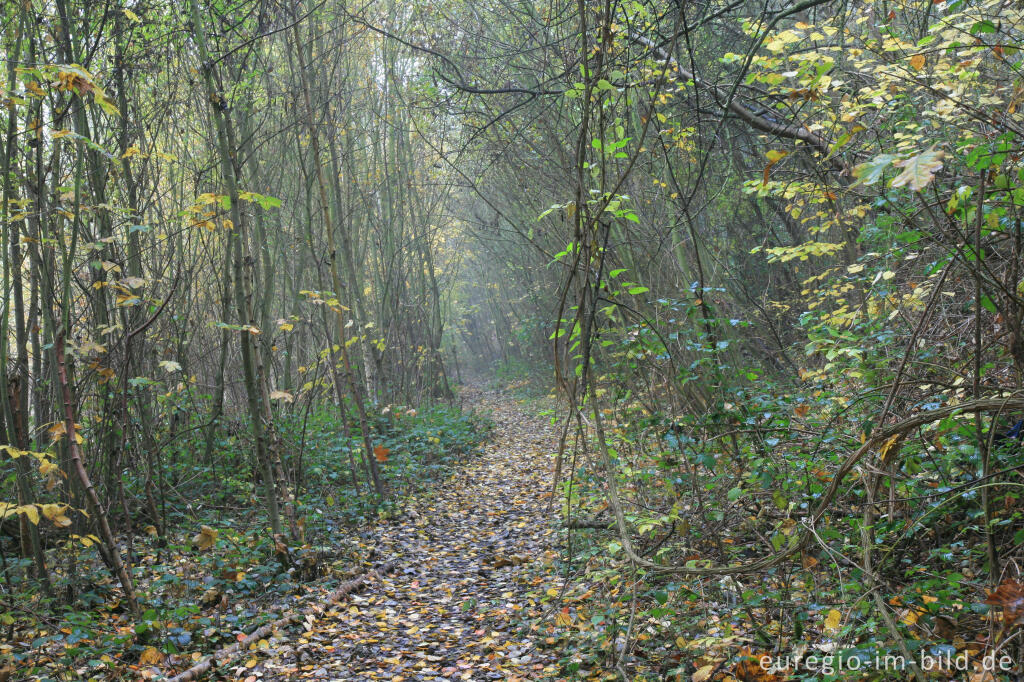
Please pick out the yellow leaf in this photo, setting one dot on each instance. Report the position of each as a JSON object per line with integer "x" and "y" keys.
{"x": 918, "y": 170}
{"x": 564, "y": 618}
{"x": 12, "y": 452}
{"x": 205, "y": 538}
{"x": 282, "y": 395}
{"x": 552, "y": 592}
{"x": 31, "y": 511}
{"x": 832, "y": 620}
{"x": 132, "y": 15}
{"x": 86, "y": 540}
{"x": 150, "y": 531}
{"x": 917, "y": 62}
{"x": 703, "y": 673}
{"x": 890, "y": 446}
{"x": 55, "y": 513}
{"x": 151, "y": 656}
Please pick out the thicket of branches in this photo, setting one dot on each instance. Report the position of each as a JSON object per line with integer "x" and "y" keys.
{"x": 770, "y": 254}
{"x": 786, "y": 240}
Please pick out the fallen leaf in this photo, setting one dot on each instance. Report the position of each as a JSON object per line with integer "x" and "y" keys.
{"x": 832, "y": 620}
{"x": 205, "y": 539}
{"x": 1009, "y": 596}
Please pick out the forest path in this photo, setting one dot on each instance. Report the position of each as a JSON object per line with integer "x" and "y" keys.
{"x": 451, "y": 609}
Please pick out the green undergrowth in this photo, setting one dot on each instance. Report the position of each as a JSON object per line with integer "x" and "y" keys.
{"x": 209, "y": 569}
{"x": 737, "y": 485}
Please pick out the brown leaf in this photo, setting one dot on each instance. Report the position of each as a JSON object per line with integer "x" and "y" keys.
{"x": 749, "y": 669}
{"x": 151, "y": 656}
{"x": 205, "y": 539}
{"x": 1009, "y": 596}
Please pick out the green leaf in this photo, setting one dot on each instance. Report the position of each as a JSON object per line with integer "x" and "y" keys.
{"x": 870, "y": 172}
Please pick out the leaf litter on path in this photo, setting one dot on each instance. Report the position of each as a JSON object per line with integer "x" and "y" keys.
{"x": 454, "y": 607}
